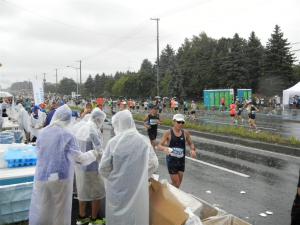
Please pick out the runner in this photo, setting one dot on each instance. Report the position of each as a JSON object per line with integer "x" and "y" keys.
{"x": 150, "y": 122}
{"x": 145, "y": 105}
{"x": 251, "y": 115}
{"x": 222, "y": 104}
{"x": 193, "y": 110}
{"x": 137, "y": 105}
{"x": 232, "y": 113}
{"x": 185, "y": 107}
{"x": 173, "y": 143}
{"x": 240, "y": 107}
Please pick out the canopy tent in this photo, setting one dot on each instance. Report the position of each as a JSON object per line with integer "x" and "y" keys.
{"x": 290, "y": 92}
{"x": 4, "y": 94}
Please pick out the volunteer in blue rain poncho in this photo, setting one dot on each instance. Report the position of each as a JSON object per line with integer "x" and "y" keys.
{"x": 127, "y": 162}
{"x": 51, "y": 200}
{"x": 89, "y": 183}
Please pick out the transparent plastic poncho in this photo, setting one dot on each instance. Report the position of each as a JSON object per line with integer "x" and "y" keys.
{"x": 89, "y": 182}
{"x": 58, "y": 151}
{"x": 127, "y": 162}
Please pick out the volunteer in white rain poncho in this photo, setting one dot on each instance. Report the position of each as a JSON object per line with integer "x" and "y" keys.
{"x": 89, "y": 183}
{"x": 23, "y": 120}
{"x": 51, "y": 200}
{"x": 127, "y": 162}
{"x": 37, "y": 120}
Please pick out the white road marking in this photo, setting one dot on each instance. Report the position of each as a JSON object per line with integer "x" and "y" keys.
{"x": 218, "y": 167}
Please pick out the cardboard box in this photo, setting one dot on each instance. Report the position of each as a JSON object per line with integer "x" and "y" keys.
{"x": 165, "y": 209}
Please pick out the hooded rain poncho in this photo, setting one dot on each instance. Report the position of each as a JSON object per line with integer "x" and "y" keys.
{"x": 89, "y": 182}
{"x": 127, "y": 162}
{"x": 51, "y": 200}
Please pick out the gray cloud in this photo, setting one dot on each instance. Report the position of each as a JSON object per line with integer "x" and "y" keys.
{"x": 110, "y": 35}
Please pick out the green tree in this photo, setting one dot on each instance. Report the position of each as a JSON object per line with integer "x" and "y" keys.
{"x": 235, "y": 73}
{"x": 254, "y": 60}
{"x": 67, "y": 86}
{"x": 278, "y": 62}
{"x": 146, "y": 79}
{"x": 118, "y": 88}
{"x": 89, "y": 87}
{"x": 167, "y": 71}
{"x": 109, "y": 83}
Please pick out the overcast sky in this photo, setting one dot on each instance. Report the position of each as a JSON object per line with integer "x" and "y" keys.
{"x": 37, "y": 36}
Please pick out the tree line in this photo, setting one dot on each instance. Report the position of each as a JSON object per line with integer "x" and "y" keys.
{"x": 201, "y": 63}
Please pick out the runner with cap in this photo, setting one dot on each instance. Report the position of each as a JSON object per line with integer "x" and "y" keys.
{"x": 173, "y": 143}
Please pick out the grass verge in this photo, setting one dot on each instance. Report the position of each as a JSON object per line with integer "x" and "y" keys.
{"x": 241, "y": 132}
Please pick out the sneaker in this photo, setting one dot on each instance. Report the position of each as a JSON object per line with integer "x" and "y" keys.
{"x": 96, "y": 222}
{"x": 83, "y": 221}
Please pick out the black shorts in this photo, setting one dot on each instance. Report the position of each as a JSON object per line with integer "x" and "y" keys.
{"x": 175, "y": 165}
{"x": 176, "y": 108}
{"x": 193, "y": 112}
{"x": 239, "y": 112}
{"x": 152, "y": 133}
{"x": 251, "y": 116}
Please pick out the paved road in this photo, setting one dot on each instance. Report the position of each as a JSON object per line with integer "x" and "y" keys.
{"x": 269, "y": 179}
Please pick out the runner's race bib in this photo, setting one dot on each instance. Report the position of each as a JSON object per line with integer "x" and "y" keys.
{"x": 177, "y": 152}
{"x": 153, "y": 122}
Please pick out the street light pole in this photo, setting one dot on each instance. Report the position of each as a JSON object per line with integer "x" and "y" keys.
{"x": 157, "y": 42}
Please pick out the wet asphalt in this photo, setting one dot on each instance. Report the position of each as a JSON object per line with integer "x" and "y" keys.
{"x": 267, "y": 180}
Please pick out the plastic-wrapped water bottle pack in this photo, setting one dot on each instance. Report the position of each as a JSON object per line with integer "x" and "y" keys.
{"x": 20, "y": 156}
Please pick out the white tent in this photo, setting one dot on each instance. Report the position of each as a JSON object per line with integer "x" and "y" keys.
{"x": 291, "y": 92}
{"x": 4, "y": 94}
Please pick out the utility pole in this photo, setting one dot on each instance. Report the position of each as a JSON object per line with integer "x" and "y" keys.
{"x": 56, "y": 80}
{"x": 157, "y": 40}
{"x": 80, "y": 77}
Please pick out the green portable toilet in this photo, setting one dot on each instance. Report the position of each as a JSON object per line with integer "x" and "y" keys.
{"x": 212, "y": 98}
{"x": 244, "y": 94}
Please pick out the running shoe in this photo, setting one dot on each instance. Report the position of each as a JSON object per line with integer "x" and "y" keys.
{"x": 83, "y": 221}
{"x": 96, "y": 222}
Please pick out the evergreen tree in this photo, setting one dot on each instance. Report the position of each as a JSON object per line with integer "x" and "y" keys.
{"x": 254, "y": 57}
{"x": 89, "y": 87}
{"x": 278, "y": 71}
{"x": 167, "y": 71}
{"x": 109, "y": 83}
{"x": 234, "y": 65}
{"x": 146, "y": 79}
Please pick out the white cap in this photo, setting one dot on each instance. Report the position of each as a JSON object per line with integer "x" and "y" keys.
{"x": 178, "y": 117}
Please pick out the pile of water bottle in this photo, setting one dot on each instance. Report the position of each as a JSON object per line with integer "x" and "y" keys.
{"x": 18, "y": 156}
